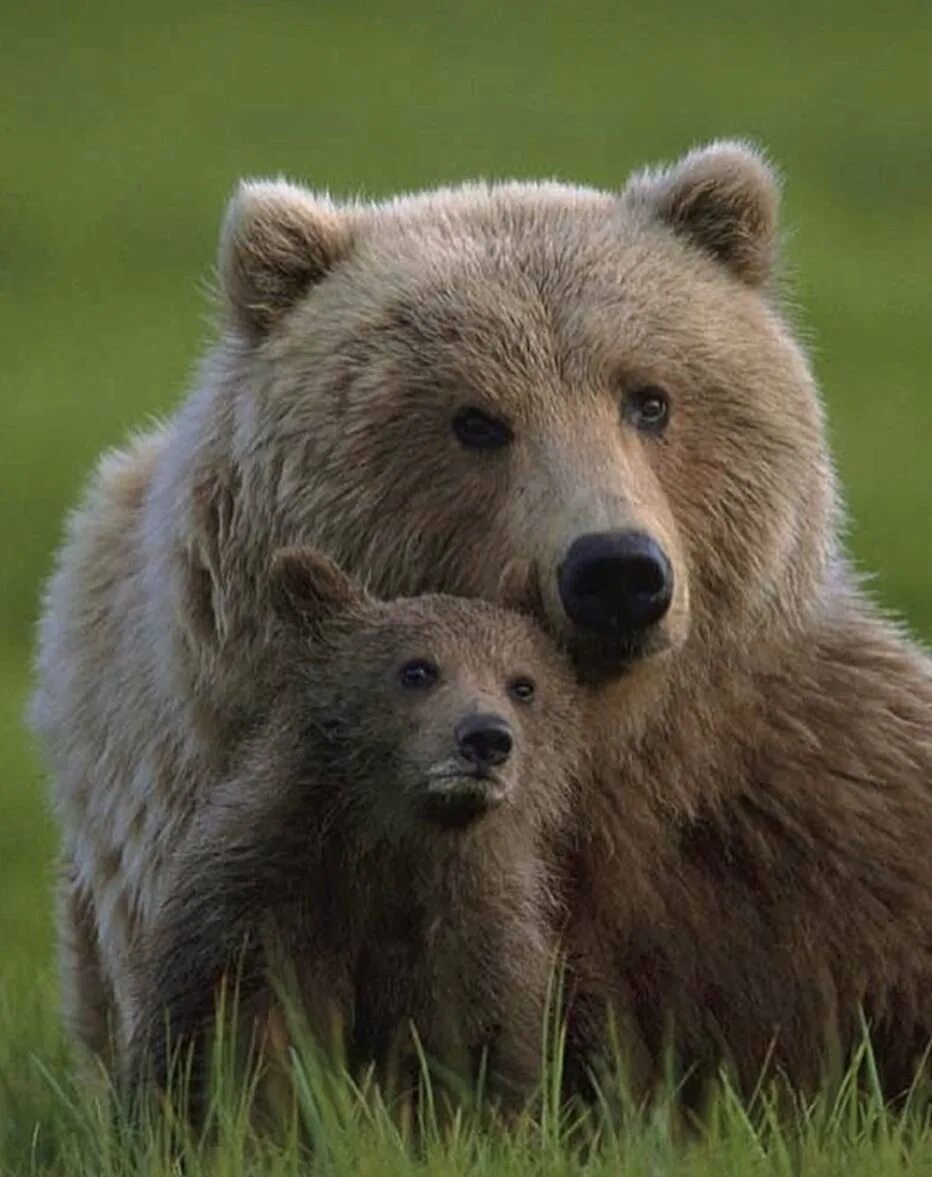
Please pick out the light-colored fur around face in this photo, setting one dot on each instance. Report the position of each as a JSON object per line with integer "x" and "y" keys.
{"x": 776, "y": 721}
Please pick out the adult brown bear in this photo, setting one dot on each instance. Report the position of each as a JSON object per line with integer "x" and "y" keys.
{"x": 602, "y": 383}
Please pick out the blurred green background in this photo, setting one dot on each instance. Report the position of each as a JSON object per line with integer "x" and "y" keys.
{"x": 124, "y": 127}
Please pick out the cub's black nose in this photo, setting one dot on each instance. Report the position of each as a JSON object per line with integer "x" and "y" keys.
{"x": 484, "y": 740}
{"x": 614, "y": 581}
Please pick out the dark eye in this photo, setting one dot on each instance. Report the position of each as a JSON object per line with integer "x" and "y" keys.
{"x": 418, "y": 674}
{"x": 478, "y": 431}
{"x": 647, "y": 409}
{"x": 521, "y": 690}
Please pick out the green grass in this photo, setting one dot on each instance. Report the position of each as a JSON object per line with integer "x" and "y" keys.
{"x": 329, "y": 1124}
{"x": 123, "y": 129}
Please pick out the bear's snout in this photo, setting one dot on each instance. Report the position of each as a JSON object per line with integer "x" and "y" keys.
{"x": 484, "y": 740}
{"x": 615, "y": 582}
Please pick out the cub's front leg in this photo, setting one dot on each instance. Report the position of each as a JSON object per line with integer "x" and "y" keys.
{"x": 202, "y": 950}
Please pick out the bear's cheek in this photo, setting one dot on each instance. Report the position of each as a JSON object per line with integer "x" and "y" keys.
{"x": 411, "y": 531}
{"x": 739, "y": 494}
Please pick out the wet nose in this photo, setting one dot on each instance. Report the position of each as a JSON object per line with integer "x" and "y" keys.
{"x": 484, "y": 740}
{"x": 614, "y": 581}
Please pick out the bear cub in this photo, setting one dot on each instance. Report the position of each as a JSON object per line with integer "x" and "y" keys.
{"x": 387, "y": 835}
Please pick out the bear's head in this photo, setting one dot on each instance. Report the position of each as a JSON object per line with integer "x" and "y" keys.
{"x": 600, "y": 383}
{"x": 433, "y": 709}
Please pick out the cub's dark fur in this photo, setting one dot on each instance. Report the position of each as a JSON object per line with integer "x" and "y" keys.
{"x": 399, "y": 867}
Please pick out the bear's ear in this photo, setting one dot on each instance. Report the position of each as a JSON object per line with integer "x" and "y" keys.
{"x": 725, "y": 198}
{"x": 309, "y": 588}
{"x": 277, "y": 240}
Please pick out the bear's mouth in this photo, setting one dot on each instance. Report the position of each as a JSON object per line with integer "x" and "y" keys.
{"x": 601, "y": 658}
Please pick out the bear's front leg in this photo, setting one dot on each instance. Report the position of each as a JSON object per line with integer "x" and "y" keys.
{"x": 87, "y": 997}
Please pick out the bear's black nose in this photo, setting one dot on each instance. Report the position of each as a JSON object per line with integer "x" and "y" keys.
{"x": 484, "y": 740}
{"x": 615, "y": 581}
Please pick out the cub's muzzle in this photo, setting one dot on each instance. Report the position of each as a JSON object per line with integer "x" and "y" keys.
{"x": 484, "y": 740}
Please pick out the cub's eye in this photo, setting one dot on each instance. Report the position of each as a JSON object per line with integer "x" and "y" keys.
{"x": 647, "y": 409}
{"x": 476, "y": 430}
{"x": 418, "y": 674}
{"x": 521, "y": 690}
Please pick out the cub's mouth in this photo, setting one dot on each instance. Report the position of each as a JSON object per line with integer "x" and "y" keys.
{"x": 454, "y": 800}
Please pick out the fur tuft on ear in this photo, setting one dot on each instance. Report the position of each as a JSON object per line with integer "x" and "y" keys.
{"x": 277, "y": 240}
{"x": 724, "y": 198}
{"x": 309, "y": 587}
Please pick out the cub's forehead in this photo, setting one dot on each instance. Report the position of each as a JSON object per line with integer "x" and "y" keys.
{"x": 463, "y": 632}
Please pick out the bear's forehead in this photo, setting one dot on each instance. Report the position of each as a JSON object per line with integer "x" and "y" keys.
{"x": 513, "y": 239}
{"x": 539, "y": 284}
{"x": 502, "y": 208}
{"x": 541, "y": 235}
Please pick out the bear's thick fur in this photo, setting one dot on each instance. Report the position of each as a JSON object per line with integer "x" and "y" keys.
{"x": 433, "y": 386}
{"x": 399, "y": 853}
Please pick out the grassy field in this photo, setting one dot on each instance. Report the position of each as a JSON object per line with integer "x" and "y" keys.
{"x": 124, "y": 128}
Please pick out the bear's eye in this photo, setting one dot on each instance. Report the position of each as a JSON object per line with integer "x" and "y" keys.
{"x": 476, "y": 430}
{"x": 647, "y": 409}
{"x": 521, "y": 689}
{"x": 418, "y": 674}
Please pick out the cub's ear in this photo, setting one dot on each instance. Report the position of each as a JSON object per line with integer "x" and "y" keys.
{"x": 519, "y": 588}
{"x": 277, "y": 240}
{"x": 308, "y": 587}
{"x": 725, "y": 198}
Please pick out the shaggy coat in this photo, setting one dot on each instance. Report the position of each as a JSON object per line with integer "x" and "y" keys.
{"x": 753, "y": 864}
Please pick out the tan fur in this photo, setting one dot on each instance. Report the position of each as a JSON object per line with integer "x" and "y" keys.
{"x": 390, "y": 913}
{"x": 755, "y": 838}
